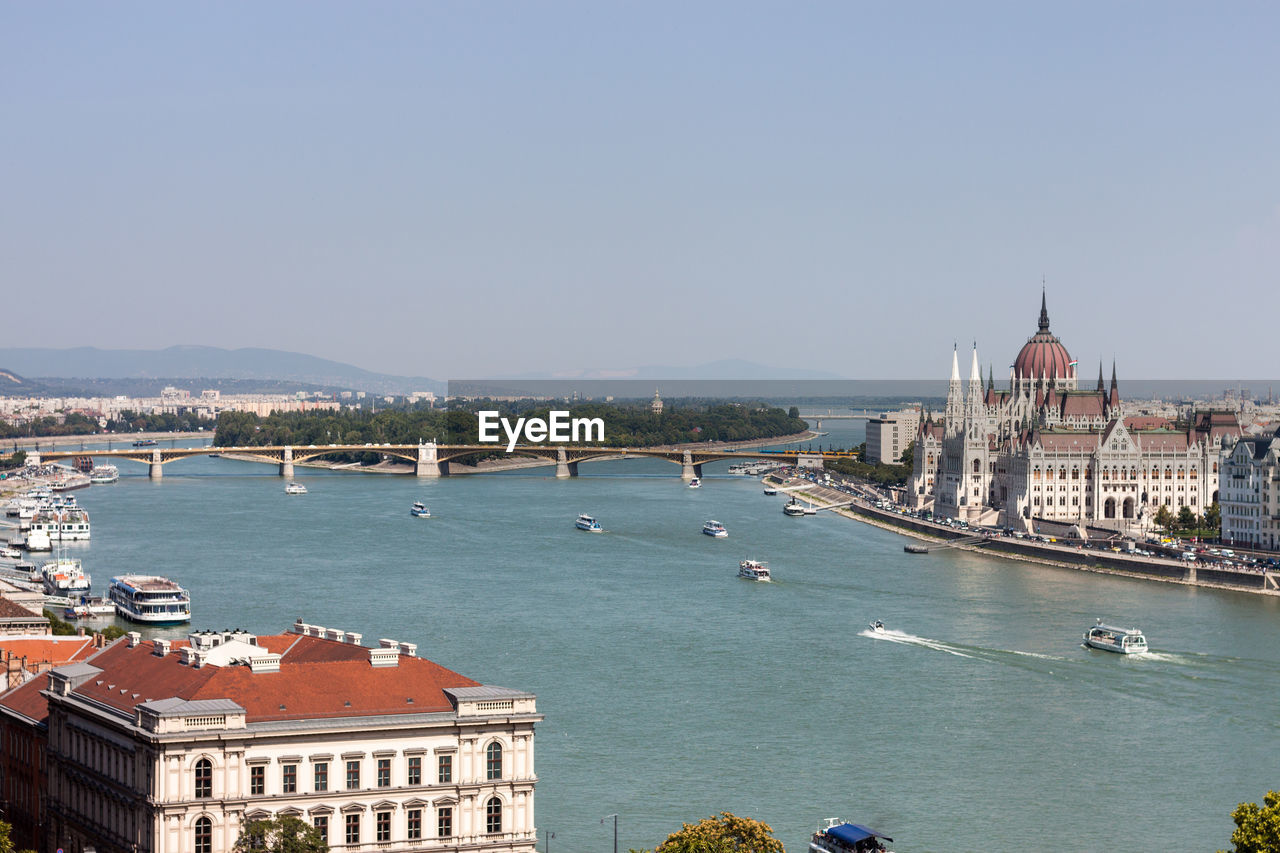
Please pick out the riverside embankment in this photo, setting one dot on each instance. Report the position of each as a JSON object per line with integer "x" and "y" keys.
{"x": 1064, "y": 555}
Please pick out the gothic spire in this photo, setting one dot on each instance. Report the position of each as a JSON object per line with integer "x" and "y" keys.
{"x": 1101, "y": 386}
{"x": 1044, "y": 311}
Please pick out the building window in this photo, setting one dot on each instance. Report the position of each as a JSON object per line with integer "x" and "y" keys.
{"x": 353, "y": 774}
{"x": 384, "y": 772}
{"x": 204, "y": 778}
{"x": 322, "y": 775}
{"x": 289, "y": 778}
{"x": 415, "y": 770}
{"x": 257, "y": 780}
{"x": 204, "y": 835}
{"x": 445, "y": 764}
{"x": 493, "y": 816}
{"x": 382, "y": 826}
{"x": 493, "y": 760}
{"x": 353, "y": 829}
{"x": 415, "y": 824}
{"x": 321, "y": 823}
{"x": 444, "y": 821}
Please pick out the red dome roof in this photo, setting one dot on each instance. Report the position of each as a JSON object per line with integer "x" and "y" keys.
{"x": 1043, "y": 354}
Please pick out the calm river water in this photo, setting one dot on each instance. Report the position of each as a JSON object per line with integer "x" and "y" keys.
{"x": 673, "y": 690}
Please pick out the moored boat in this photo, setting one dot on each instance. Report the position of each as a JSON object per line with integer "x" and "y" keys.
{"x": 65, "y": 577}
{"x": 150, "y": 599}
{"x": 102, "y": 474}
{"x": 589, "y": 524}
{"x": 754, "y": 570}
{"x": 794, "y": 508}
{"x": 838, "y": 836}
{"x": 715, "y": 529}
{"x": 770, "y": 490}
{"x": 1125, "y": 641}
{"x": 419, "y": 510}
{"x": 38, "y": 540}
{"x": 90, "y": 608}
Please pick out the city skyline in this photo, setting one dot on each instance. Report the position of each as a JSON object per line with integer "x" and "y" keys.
{"x": 451, "y": 191}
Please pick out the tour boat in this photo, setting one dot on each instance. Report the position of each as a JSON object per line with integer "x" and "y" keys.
{"x": 589, "y": 524}
{"x": 770, "y": 490}
{"x": 419, "y": 510}
{"x": 151, "y": 599}
{"x": 841, "y": 837}
{"x": 695, "y": 483}
{"x": 1126, "y": 641}
{"x": 295, "y": 489}
{"x": 754, "y": 570}
{"x": 916, "y": 549}
{"x": 145, "y": 442}
{"x": 715, "y": 528}
{"x": 877, "y": 626}
{"x": 793, "y": 508}
{"x": 38, "y": 540}
{"x": 102, "y": 474}
{"x": 73, "y": 521}
{"x": 89, "y": 608}
{"x": 64, "y": 577}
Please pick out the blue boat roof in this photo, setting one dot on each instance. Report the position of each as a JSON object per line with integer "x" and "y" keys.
{"x": 852, "y": 833}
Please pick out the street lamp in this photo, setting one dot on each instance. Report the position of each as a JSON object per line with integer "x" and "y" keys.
{"x": 615, "y": 829}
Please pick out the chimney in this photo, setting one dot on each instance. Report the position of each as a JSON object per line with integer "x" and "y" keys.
{"x": 134, "y": 638}
{"x": 334, "y": 634}
{"x": 409, "y": 650}
{"x": 160, "y": 648}
{"x": 385, "y": 656}
{"x": 353, "y": 638}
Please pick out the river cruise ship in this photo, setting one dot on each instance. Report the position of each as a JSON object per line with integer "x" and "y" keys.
{"x": 103, "y": 474}
{"x": 150, "y": 599}
{"x": 65, "y": 577}
{"x": 1125, "y": 641}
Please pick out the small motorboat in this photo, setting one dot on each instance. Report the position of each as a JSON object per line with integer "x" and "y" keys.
{"x": 695, "y": 483}
{"x": 295, "y": 489}
{"x": 588, "y": 523}
{"x": 715, "y": 529}
{"x": 877, "y": 626}
{"x": 419, "y": 510}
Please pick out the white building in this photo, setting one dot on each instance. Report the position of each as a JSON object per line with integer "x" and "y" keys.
{"x": 889, "y": 435}
{"x": 1250, "y": 502}
{"x": 171, "y": 747}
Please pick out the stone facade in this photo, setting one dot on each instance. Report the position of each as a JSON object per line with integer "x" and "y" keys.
{"x": 1250, "y": 501}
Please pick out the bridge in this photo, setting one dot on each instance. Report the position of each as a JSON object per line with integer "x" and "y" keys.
{"x": 432, "y": 460}
{"x": 816, "y": 418}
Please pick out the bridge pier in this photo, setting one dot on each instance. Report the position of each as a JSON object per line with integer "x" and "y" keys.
{"x": 33, "y": 457}
{"x": 157, "y": 469}
{"x": 687, "y": 467}
{"x": 286, "y": 464}
{"x": 562, "y": 465}
{"x": 428, "y": 464}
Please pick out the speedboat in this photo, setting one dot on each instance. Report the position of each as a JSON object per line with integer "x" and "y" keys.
{"x": 715, "y": 528}
{"x": 295, "y": 489}
{"x": 695, "y": 483}
{"x": 151, "y": 599}
{"x": 419, "y": 510}
{"x": 878, "y": 627}
{"x": 1125, "y": 641}
{"x": 841, "y": 837}
{"x": 589, "y": 524}
{"x": 754, "y": 570}
{"x": 770, "y": 490}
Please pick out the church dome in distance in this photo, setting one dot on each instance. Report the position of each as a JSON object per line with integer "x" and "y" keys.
{"x": 1043, "y": 354}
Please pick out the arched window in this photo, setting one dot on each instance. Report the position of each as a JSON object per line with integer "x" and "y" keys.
{"x": 1075, "y": 472}
{"x": 204, "y": 778}
{"x": 1168, "y": 473}
{"x": 204, "y": 835}
{"x": 1106, "y": 475}
{"x": 1062, "y": 475}
{"x": 493, "y": 816}
{"x": 976, "y": 468}
{"x": 1195, "y": 473}
{"x": 493, "y": 760}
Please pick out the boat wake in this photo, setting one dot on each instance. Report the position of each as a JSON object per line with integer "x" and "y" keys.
{"x": 906, "y": 639}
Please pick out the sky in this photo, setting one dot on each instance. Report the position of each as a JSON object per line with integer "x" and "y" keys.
{"x": 467, "y": 189}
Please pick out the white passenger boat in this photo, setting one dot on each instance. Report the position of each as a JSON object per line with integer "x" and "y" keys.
{"x": 65, "y": 577}
{"x": 1126, "y": 641}
{"x": 38, "y": 540}
{"x": 589, "y": 524}
{"x": 102, "y": 474}
{"x": 90, "y": 608}
{"x": 793, "y": 507}
{"x": 295, "y": 489}
{"x": 10, "y": 553}
{"x": 839, "y": 836}
{"x": 419, "y": 510}
{"x": 151, "y": 599}
{"x": 695, "y": 483}
{"x": 754, "y": 570}
{"x": 770, "y": 490}
{"x": 715, "y": 528}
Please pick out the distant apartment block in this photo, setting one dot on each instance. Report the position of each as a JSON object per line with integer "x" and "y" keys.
{"x": 1249, "y": 492}
{"x": 889, "y": 435}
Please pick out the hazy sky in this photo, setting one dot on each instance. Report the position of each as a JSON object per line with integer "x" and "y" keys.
{"x": 464, "y": 189}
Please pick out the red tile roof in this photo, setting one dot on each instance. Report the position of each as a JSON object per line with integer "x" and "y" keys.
{"x": 51, "y": 650}
{"x": 26, "y": 699}
{"x": 13, "y": 610}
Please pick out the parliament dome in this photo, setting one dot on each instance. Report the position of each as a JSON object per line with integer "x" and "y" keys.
{"x": 1043, "y": 354}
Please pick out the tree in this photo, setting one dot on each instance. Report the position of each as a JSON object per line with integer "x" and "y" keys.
{"x": 1213, "y": 518}
{"x": 793, "y": 412}
{"x": 285, "y": 834}
{"x": 726, "y": 833}
{"x": 1186, "y": 518}
{"x": 6, "y": 842}
{"x": 1163, "y": 517}
{"x": 1257, "y": 827}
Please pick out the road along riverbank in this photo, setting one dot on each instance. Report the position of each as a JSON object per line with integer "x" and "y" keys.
{"x": 1063, "y": 555}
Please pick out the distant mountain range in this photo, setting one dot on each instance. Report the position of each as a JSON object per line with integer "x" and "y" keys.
{"x": 187, "y": 363}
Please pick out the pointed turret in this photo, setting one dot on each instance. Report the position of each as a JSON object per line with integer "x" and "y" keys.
{"x": 991, "y": 386}
{"x": 973, "y": 405}
{"x": 1044, "y": 312}
{"x": 1115, "y": 388}
{"x": 955, "y": 396}
{"x": 1101, "y": 386}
